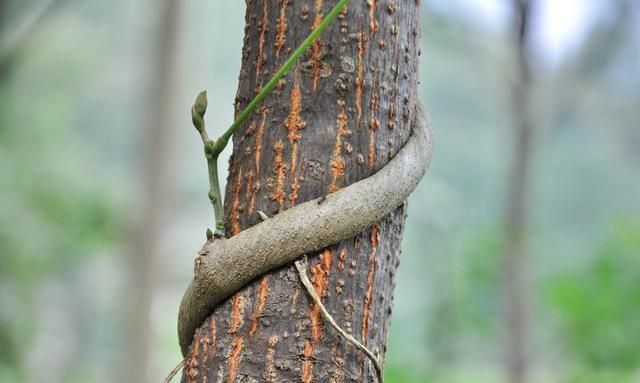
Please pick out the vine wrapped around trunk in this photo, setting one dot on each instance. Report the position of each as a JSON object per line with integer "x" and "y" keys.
{"x": 337, "y": 117}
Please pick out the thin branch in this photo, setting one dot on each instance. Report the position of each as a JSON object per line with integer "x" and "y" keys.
{"x": 302, "y": 266}
{"x": 198, "y": 110}
{"x": 175, "y": 370}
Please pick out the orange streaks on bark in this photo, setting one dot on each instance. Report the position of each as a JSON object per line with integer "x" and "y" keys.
{"x": 270, "y": 359}
{"x": 374, "y": 104}
{"x": 337, "y": 161}
{"x": 252, "y": 201}
{"x": 248, "y": 180}
{"x": 263, "y": 27}
{"x": 192, "y": 364}
{"x": 213, "y": 328}
{"x": 237, "y": 312}
{"x": 337, "y": 171}
{"x": 374, "y": 123}
{"x": 280, "y": 170}
{"x": 373, "y": 22}
{"x": 234, "y": 214}
{"x": 368, "y": 299}
{"x": 320, "y": 281}
{"x": 259, "y": 137}
{"x": 295, "y": 186}
{"x": 209, "y": 342}
{"x": 316, "y": 49}
{"x": 307, "y": 363}
{"x": 327, "y": 260}
{"x": 258, "y": 152}
{"x": 234, "y": 358}
{"x": 362, "y": 47}
{"x": 282, "y": 27}
{"x": 262, "y": 300}
{"x": 294, "y": 123}
{"x": 205, "y": 352}
{"x": 360, "y": 77}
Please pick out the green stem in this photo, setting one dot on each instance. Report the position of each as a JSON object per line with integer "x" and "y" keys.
{"x": 221, "y": 143}
{"x": 198, "y": 110}
{"x": 214, "y": 188}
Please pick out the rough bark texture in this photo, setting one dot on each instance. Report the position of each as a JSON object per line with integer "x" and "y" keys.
{"x": 336, "y": 118}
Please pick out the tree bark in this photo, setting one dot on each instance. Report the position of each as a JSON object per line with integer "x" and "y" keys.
{"x": 337, "y": 117}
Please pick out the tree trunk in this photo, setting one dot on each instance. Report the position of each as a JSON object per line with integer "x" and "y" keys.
{"x": 514, "y": 274}
{"x": 155, "y": 192}
{"x": 338, "y": 116}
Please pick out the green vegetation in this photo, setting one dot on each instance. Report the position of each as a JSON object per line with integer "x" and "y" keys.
{"x": 598, "y": 306}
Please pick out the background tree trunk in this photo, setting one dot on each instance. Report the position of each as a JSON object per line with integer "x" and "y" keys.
{"x": 155, "y": 191}
{"x": 11, "y": 41}
{"x": 336, "y": 118}
{"x": 514, "y": 274}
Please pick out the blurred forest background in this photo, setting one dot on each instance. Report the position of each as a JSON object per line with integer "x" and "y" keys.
{"x": 103, "y": 188}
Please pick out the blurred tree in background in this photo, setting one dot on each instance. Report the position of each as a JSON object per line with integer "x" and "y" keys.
{"x": 75, "y": 82}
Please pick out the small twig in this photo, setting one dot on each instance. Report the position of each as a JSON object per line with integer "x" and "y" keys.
{"x": 302, "y": 266}
{"x": 263, "y": 215}
{"x": 175, "y": 370}
{"x": 198, "y": 110}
